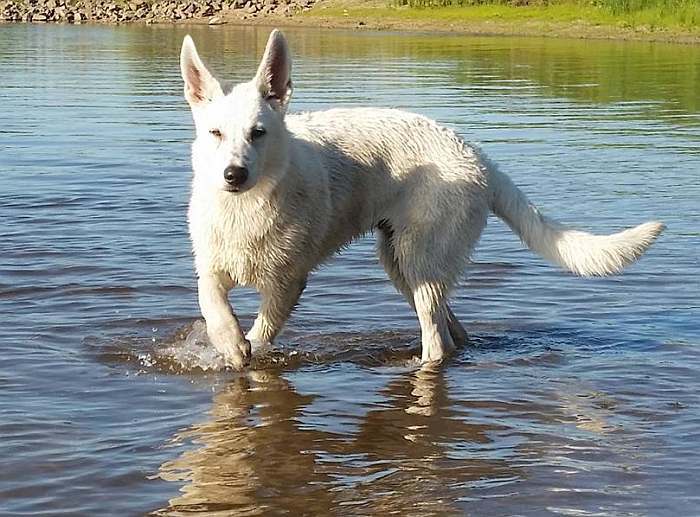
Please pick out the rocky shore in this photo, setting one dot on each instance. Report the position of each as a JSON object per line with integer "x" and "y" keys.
{"x": 156, "y": 11}
{"x": 354, "y": 14}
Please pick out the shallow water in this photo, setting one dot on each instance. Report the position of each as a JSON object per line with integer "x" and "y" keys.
{"x": 576, "y": 396}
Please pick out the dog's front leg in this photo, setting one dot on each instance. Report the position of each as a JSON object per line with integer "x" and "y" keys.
{"x": 277, "y": 302}
{"x": 223, "y": 328}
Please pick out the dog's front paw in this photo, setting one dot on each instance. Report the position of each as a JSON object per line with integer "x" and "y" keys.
{"x": 237, "y": 354}
{"x": 231, "y": 344}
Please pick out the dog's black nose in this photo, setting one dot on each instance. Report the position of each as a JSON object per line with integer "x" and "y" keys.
{"x": 235, "y": 176}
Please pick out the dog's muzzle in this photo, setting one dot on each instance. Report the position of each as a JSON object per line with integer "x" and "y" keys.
{"x": 235, "y": 177}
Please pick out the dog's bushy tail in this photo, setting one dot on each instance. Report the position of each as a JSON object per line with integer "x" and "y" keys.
{"x": 582, "y": 253}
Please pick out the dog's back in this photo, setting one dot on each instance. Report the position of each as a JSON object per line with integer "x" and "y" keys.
{"x": 385, "y": 166}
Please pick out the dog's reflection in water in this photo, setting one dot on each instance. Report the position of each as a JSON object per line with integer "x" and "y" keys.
{"x": 261, "y": 451}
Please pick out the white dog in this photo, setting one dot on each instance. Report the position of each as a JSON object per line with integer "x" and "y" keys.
{"x": 274, "y": 195}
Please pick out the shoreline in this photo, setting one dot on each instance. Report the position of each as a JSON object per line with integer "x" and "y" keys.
{"x": 485, "y": 21}
{"x": 329, "y": 14}
{"x": 579, "y": 29}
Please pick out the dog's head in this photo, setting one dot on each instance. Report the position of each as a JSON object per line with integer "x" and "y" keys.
{"x": 241, "y": 137}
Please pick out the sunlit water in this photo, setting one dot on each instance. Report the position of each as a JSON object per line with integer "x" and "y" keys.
{"x": 576, "y": 396}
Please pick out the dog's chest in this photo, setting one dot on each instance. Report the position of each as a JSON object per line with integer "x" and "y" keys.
{"x": 248, "y": 243}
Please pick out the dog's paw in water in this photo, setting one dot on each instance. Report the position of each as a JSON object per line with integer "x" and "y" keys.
{"x": 238, "y": 354}
{"x": 236, "y": 350}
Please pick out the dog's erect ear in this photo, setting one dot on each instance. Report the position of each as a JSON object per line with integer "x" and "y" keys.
{"x": 274, "y": 76}
{"x": 200, "y": 85}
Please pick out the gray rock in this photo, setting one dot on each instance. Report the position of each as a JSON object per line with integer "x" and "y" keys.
{"x": 119, "y": 11}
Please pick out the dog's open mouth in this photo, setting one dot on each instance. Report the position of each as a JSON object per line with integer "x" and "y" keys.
{"x": 232, "y": 189}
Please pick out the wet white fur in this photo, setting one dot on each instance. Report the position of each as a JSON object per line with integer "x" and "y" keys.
{"x": 319, "y": 180}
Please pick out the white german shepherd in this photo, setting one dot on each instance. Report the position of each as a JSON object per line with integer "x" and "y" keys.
{"x": 273, "y": 196}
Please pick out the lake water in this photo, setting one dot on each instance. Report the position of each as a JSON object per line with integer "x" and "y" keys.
{"x": 576, "y": 396}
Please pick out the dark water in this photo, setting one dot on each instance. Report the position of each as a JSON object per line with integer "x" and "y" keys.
{"x": 577, "y": 396}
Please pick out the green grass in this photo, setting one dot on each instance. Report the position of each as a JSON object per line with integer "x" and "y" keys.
{"x": 651, "y": 13}
{"x": 674, "y": 15}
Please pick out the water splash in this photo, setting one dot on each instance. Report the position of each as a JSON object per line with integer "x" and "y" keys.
{"x": 188, "y": 350}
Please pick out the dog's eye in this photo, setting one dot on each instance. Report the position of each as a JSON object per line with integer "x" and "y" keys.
{"x": 216, "y": 133}
{"x": 257, "y": 132}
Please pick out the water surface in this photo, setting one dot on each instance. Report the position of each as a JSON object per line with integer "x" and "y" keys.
{"x": 576, "y": 396}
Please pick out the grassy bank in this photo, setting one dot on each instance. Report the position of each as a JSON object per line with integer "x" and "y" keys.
{"x": 649, "y": 13}
{"x": 675, "y": 20}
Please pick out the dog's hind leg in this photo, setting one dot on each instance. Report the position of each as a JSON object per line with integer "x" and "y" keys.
{"x": 429, "y": 300}
{"x": 277, "y": 303}
{"x": 440, "y": 317}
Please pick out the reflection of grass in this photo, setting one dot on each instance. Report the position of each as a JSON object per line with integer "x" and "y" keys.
{"x": 659, "y": 81}
{"x": 678, "y": 15}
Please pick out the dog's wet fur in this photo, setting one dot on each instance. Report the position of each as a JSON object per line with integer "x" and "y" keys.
{"x": 274, "y": 194}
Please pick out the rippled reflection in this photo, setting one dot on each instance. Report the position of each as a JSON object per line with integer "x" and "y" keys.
{"x": 260, "y": 450}
{"x": 425, "y": 441}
